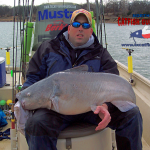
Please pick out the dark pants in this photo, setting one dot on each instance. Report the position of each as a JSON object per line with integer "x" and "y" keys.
{"x": 43, "y": 128}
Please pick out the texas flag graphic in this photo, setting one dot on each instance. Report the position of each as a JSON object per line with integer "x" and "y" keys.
{"x": 144, "y": 33}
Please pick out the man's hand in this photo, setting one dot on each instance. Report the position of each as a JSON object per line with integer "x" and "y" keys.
{"x": 104, "y": 115}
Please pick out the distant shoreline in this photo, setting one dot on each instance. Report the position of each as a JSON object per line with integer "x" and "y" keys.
{"x": 11, "y": 19}
{"x": 8, "y": 20}
{"x": 108, "y": 19}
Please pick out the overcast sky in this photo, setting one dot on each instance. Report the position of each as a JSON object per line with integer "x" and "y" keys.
{"x": 38, "y": 2}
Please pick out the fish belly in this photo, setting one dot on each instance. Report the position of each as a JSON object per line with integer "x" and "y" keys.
{"x": 81, "y": 91}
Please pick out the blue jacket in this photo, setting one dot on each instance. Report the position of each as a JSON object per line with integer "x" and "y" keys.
{"x": 56, "y": 55}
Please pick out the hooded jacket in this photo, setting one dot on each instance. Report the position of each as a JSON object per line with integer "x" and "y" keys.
{"x": 57, "y": 55}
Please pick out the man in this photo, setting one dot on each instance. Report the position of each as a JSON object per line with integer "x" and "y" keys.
{"x": 75, "y": 45}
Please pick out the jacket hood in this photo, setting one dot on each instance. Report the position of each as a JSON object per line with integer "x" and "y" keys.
{"x": 66, "y": 29}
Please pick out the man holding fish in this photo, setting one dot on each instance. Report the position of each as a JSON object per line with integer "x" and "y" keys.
{"x": 74, "y": 46}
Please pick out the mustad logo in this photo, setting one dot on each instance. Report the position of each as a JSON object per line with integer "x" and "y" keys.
{"x": 54, "y": 14}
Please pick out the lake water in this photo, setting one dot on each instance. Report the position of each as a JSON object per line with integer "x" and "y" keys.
{"x": 116, "y": 35}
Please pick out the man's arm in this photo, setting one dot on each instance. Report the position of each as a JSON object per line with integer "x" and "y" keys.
{"x": 37, "y": 66}
{"x": 108, "y": 66}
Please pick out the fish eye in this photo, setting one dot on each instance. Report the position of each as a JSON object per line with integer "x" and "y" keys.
{"x": 28, "y": 94}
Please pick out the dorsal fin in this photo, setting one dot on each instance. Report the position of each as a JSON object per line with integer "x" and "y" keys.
{"x": 78, "y": 69}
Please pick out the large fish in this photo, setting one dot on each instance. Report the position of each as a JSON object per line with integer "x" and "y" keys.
{"x": 76, "y": 91}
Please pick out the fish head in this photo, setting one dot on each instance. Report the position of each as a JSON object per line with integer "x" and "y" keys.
{"x": 33, "y": 98}
{"x": 26, "y": 98}
{"x": 137, "y": 34}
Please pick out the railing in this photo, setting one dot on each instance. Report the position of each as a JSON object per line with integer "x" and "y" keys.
{"x": 142, "y": 92}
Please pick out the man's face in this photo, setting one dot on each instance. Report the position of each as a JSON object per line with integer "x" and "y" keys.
{"x": 79, "y": 36}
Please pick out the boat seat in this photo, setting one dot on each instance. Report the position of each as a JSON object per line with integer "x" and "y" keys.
{"x": 78, "y": 130}
{"x": 82, "y": 136}
{"x": 79, "y": 136}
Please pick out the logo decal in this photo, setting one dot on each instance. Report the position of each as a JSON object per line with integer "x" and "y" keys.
{"x": 54, "y": 14}
{"x": 144, "y": 33}
{"x": 57, "y": 25}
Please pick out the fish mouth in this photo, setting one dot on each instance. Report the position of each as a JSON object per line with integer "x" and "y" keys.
{"x": 18, "y": 95}
{"x": 131, "y": 35}
{"x": 23, "y": 104}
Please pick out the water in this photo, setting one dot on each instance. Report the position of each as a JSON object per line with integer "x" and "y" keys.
{"x": 116, "y": 35}
{"x": 6, "y": 40}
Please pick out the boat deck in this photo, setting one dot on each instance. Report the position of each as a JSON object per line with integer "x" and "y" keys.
{"x": 6, "y": 143}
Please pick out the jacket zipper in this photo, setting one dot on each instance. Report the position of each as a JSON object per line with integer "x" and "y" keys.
{"x": 75, "y": 61}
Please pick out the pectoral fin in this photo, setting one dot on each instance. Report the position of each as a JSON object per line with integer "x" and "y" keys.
{"x": 55, "y": 103}
{"x": 49, "y": 105}
{"x": 123, "y": 105}
{"x": 56, "y": 88}
{"x": 93, "y": 107}
{"x": 55, "y": 95}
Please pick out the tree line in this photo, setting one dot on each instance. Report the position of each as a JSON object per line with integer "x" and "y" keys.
{"x": 117, "y": 8}
{"x": 126, "y": 8}
{"x": 7, "y": 11}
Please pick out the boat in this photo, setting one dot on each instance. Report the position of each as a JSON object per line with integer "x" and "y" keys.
{"x": 46, "y": 28}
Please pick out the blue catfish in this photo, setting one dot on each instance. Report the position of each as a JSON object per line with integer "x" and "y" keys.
{"x": 77, "y": 91}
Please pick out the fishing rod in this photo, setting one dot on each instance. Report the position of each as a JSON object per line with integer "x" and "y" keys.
{"x": 100, "y": 9}
{"x": 92, "y": 14}
{"x": 23, "y": 43}
{"x": 18, "y": 85}
{"x": 17, "y": 41}
{"x": 13, "y": 130}
{"x": 27, "y": 37}
{"x": 31, "y": 11}
{"x": 97, "y": 17}
{"x": 103, "y": 15}
{"x": 88, "y": 5}
{"x": 23, "y": 35}
{"x": 23, "y": 58}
